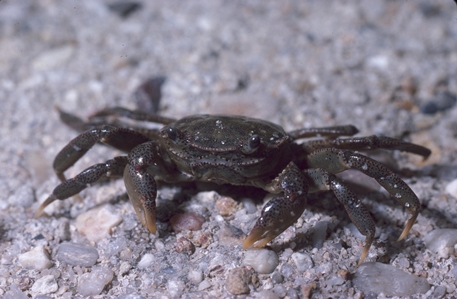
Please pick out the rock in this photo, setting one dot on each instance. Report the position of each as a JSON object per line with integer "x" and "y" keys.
{"x": 195, "y": 276}
{"x": 302, "y": 261}
{"x": 175, "y": 288}
{"x": 37, "y": 259}
{"x": 442, "y": 241}
{"x": 15, "y": 293}
{"x": 186, "y": 221}
{"x": 226, "y": 206}
{"x": 77, "y": 254}
{"x": 93, "y": 283}
{"x": 146, "y": 261}
{"x": 263, "y": 261}
{"x": 53, "y": 58}
{"x": 267, "y": 294}
{"x": 96, "y": 223}
{"x": 440, "y": 102}
{"x": 45, "y": 285}
{"x": 238, "y": 280}
{"x": 451, "y": 188}
{"x": 377, "y": 278}
{"x": 319, "y": 234}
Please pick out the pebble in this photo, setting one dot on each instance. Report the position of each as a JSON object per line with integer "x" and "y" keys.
{"x": 441, "y": 241}
{"x": 96, "y": 224}
{"x": 440, "y": 102}
{"x": 237, "y": 281}
{"x": 302, "y": 261}
{"x": 37, "y": 259}
{"x": 93, "y": 283}
{"x": 319, "y": 234}
{"x": 205, "y": 284}
{"x": 249, "y": 205}
{"x": 175, "y": 288}
{"x": 184, "y": 245}
{"x": 195, "y": 276}
{"x": 451, "y": 188}
{"x": 54, "y": 58}
{"x": 146, "y": 261}
{"x": 226, "y": 206}
{"x": 45, "y": 285}
{"x": 263, "y": 261}
{"x": 266, "y": 294}
{"x": 15, "y": 293}
{"x": 377, "y": 278}
{"x": 187, "y": 221}
{"x": 77, "y": 254}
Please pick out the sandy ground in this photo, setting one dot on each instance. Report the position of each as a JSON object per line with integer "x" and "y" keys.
{"x": 373, "y": 64}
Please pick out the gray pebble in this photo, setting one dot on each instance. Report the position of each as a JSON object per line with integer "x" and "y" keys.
{"x": 93, "y": 283}
{"x": 15, "y": 293}
{"x": 319, "y": 234}
{"x": 45, "y": 285}
{"x": 77, "y": 254}
{"x": 276, "y": 277}
{"x": 263, "y": 261}
{"x": 441, "y": 241}
{"x": 377, "y": 278}
{"x": 439, "y": 292}
{"x": 440, "y": 102}
{"x": 267, "y": 294}
{"x": 302, "y": 261}
{"x": 287, "y": 270}
{"x": 37, "y": 258}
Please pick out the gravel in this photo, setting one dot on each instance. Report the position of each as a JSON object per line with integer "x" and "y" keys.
{"x": 387, "y": 67}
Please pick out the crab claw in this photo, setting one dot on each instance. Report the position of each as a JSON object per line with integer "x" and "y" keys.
{"x": 276, "y": 216}
{"x": 142, "y": 191}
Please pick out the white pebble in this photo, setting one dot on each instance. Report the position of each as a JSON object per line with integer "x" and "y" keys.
{"x": 442, "y": 241}
{"x": 195, "y": 276}
{"x": 377, "y": 278}
{"x": 93, "y": 283}
{"x": 45, "y": 285}
{"x": 302, "y": 261}
{"x": 175, "y": 288}
{"x": 77, "y": 254}
{"x": 205, "y": 284}
{"x": 37, "y": 258}
{"x": 263, "y": 261}
{"x": 451, "y": 188}
{"x": 96, "y": 224}
{"x": 146, "y": 261}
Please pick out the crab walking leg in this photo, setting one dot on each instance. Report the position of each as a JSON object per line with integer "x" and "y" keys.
{"x": 335, "y": 160}
{"x": 282, "y": 211}
{"x": 119, "y": 138}
{"x": 322, "y": 180}
{"x": 111, "y": 168}
{"x": 367, "y": 143}
{"x": 331, "y": 132}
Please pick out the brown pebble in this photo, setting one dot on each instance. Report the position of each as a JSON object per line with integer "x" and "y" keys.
{"x": 307, "y": 289}
{"x": 184, "y": 245}
{"x": 345, "y": 274}
{"x": 203, "y": 239}
{"x": 237, "y": 281}
{"x": 186, "y": 221}
{"x": 226, "y": 206}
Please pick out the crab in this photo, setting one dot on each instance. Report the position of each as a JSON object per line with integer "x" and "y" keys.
{"x": 234, "y": 150}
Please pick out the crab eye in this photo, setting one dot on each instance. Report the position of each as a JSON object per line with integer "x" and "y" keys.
{"x": 253, "y": 143}
{"x": 172, "y": 133}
